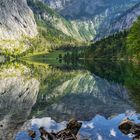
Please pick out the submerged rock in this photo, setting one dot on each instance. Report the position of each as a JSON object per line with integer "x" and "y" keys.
{"x": 69, "y": 133}
{"x": 97, "y": 128}
{"x": 129, "y": 127}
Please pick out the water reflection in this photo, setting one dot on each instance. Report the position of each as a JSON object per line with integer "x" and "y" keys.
{"x": 82, "y": 97}
{"x": 96, "y": 93}
{"x": 124, "y": 73}
{"x": 18, "y": 93}
{"x": 99, "y": 128}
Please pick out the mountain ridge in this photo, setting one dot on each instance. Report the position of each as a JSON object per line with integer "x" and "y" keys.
{"x": 92, "y": 22}
{"x": 124, "y": 22}
{"x": 66, "y": 22}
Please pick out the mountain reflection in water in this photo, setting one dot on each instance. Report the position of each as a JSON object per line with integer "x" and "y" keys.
{"x": 84, "y": 96}
{"x": 96, "y": 94}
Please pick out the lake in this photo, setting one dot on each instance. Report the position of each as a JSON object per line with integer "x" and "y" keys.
{"x": 49, "y": 92}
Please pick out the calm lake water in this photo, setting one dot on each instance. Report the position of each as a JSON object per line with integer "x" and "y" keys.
{"x": 48, "y": 93}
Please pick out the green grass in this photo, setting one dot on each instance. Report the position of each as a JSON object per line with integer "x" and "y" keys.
{"x": 48, "y": 58}
{"x": 46, "y": 55}
{"x": 55, "y": 54}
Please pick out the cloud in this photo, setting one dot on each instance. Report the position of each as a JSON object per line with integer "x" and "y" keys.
{"x": 99, "y": 137}
{"x": 113, "y": 133}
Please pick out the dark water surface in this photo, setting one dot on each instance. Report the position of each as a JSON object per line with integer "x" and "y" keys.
{"x": 100, "y": 94}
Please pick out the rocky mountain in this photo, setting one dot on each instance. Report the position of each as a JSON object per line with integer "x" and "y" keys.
{"x": 92, "y": 17}
{"x": 124, "y": 21}
{"x": 79, "y": 9}
{"x": 63, "y": 22}
{"x": 53, "y": 20}
{"x": 16, "y": 21}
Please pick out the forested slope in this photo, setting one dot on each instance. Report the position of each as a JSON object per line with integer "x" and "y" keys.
{"x": 122, "y": 45}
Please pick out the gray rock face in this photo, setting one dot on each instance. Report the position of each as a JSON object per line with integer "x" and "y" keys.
{"x": 91, "y": 17}
{"x": 120, "y": 23}
{"x": 125, "y": 21}
{"x": 51, "y": 17}
{"x": 17, "y": 96}
{"x": 87, "y": 19}
{"x": 86, "y": 8}
{"x": 58, "y": 4}
{"x": 16, "y": 20}
{"x": 91, "y": 8}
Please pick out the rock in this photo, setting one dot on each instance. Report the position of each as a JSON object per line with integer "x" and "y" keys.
{"x": 70, "y": 133}
{"x": 31, "y": 133}
{"x": 16, "y": 20}
{"x": 17, "y": 25}
{"x": 129, "y": 127}
{"x": 123, "y": 22}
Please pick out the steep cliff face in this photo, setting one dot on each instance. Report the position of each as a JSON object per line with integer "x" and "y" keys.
{"x": 89, "y": 6}
{"x": 53, "y": 20}
{"x": 58, "y": 4}
{"x": 125, "y": 21}
{"x": 79, "y": 9}
{"x": 91, "y": 17}
{"x": 16, "y": 20}
{"x": 16, "y": 23}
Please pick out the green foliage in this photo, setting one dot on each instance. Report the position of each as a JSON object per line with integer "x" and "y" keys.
{"x": 49, "y": 38}
{"x": 123, "y": 45}
{"x": 50, "y": 78}
{"x": 14, "y": 47}
{"x": 133, "y": 40}
{"x": 112, "y": 47}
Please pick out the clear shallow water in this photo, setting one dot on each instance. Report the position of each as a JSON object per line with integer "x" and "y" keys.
{"x": 99, "y": 128}
{"x": 96, "y": 93}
